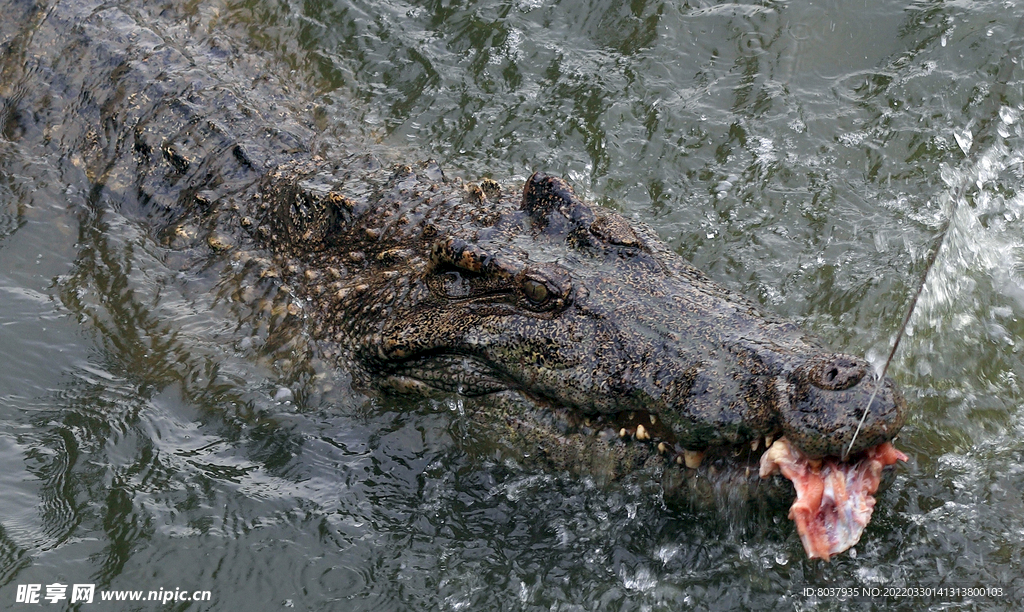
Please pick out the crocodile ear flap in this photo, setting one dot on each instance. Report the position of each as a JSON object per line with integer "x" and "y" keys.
{"x": 553, "y": 207}
{"x": 556, "y": 210}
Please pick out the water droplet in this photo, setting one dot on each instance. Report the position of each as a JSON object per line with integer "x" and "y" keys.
{"x": 965, "y": 139}
{"x": 1009, "y": 115}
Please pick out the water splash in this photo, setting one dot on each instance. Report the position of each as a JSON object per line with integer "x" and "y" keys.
{"x": 980, "y": 208}
{"x": 985, "y": 237}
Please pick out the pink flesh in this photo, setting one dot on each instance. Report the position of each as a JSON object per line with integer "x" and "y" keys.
{"x": 834, "y": 500}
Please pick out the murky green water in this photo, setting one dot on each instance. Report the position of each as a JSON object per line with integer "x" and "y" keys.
{"x": 805, "y": 154}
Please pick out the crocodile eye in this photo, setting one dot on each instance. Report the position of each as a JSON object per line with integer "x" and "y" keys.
{"x": 544, "y": 288}
{"x": 535, "y": 291}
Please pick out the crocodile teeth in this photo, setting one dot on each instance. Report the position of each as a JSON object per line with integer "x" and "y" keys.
{"x": 693, "y": 459}
{"x": 654, "y": 420}
{"x": 623, "y": 433}
{"x": 641, "y": 433}
{"x": 755, "y": 443}
{"x": 768, "y": 441}
{"x": 662, "y": 448}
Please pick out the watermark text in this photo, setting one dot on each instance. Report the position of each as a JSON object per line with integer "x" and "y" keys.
{"x": 87, "y": 593}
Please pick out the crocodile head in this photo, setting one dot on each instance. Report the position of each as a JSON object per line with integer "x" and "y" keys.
{"x": 578, "y": 309}
{"x": 572, "y": 305}
{"x": 620, "y": 344}
{"x": 601, "y": 323}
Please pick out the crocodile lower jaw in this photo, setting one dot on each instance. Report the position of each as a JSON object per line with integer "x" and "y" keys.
{"x": 834, "y": 498}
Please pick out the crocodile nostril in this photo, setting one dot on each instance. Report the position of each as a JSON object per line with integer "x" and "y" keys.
{"x": 835, "y": 372}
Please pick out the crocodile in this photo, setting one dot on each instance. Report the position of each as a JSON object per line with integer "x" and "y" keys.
{"x": 610, "y": 344}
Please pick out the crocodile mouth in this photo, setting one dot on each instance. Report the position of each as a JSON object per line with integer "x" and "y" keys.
{"x": 834, "y": 498}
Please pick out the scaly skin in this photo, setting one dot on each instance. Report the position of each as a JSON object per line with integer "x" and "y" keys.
{"x": 478, "y": 289}
{"x": 417, "y": 282}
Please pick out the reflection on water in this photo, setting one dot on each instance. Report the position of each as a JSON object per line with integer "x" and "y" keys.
{"x": 155, "y": 433}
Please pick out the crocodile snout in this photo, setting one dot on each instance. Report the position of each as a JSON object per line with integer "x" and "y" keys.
{"x": 828, "y": 398}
